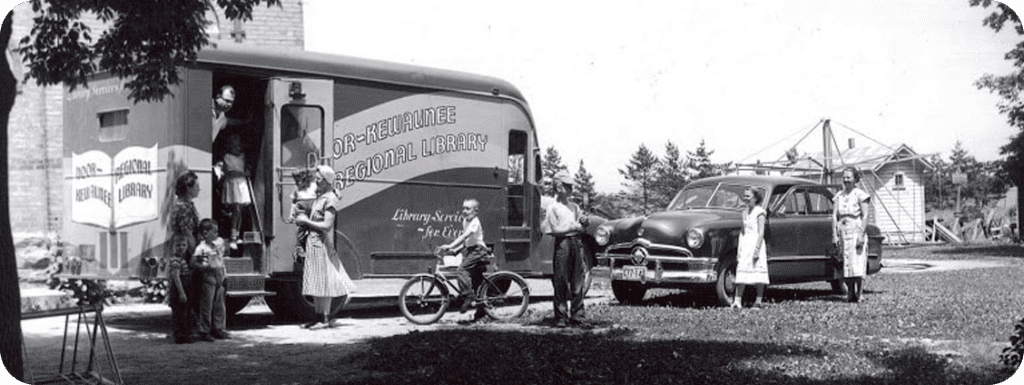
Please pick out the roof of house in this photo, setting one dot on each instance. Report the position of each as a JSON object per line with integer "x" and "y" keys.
{"x": 862, "y": 157}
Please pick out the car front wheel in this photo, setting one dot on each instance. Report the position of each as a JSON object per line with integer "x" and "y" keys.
{"x": 628, "y": 293}
{"x": 726, "y": 285}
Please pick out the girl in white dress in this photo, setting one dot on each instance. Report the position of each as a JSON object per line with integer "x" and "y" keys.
{"x": 751, "y": 258}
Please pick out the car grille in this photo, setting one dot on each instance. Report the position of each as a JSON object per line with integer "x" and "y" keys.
{"x": 660, "y": 257}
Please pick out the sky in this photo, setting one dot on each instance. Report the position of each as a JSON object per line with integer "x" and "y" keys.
{"x": 749, "y": 78}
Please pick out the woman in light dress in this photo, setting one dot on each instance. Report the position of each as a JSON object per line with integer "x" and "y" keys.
{"x": 324, "y": 278}
{"x": 849, "y": 220}
{"x": 751, "y": 258}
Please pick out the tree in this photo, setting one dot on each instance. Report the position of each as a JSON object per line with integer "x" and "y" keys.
{"x": 939, "y": 191}
{"x": 700, "y": 162}
{"x": 146, "y": 41}
{"x": 10, "y": 293}
{"x": 983, "y": 184}
{"x": 551, "y": 165}
{"x": 1008, "y": 87}
{"x": 584, "y": 187}
{"x": 641, "y": 174}
{"x": 671, "y": 175}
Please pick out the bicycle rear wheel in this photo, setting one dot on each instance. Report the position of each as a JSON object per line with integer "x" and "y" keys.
{"x": 504, "y": 295}
{"x": 423, "y": 299}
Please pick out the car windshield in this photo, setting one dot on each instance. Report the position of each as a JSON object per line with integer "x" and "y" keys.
{"x": 713, "y": 195}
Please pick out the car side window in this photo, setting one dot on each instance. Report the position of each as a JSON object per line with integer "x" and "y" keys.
{"x": 820, "y": 203}
{"x": 799, "y": 202}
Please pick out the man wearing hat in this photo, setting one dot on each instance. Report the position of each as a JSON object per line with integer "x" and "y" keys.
{"x": 568, "y": 263}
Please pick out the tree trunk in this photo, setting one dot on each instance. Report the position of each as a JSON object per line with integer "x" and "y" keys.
{"x": 10, "y": 293}
{"x": 1020, "y": 206}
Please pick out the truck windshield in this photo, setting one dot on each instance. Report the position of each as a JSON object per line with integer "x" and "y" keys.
{"x": 715, "y": 195}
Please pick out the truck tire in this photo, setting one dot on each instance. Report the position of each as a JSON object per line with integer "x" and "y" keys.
{"x": 289, "y": 303}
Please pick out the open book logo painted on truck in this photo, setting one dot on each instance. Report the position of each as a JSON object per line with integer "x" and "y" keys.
{"x": 114, "y": 192}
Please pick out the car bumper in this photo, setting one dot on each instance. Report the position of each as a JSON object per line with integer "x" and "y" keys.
{"x": 658, "y": 264}
{"x": 663, "y": 271}
{"x": 661, "y": 277}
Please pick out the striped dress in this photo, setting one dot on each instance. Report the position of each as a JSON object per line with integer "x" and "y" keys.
{"x": 324, "y": 275}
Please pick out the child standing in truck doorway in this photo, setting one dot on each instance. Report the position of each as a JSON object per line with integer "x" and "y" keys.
{"x": 208, "y": 263}
{"x": 237, "y": 194}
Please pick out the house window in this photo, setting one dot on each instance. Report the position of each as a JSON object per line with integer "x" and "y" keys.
{"x": 897, "y": 181}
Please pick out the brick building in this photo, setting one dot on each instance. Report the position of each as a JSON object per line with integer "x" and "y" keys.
{"x": 36, "y": 125}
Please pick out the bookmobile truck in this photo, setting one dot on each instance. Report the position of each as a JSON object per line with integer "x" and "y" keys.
{"x": 408, "y": 144}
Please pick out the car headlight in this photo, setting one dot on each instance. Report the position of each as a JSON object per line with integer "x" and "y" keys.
{"x": 601, "y": 235}
{"x": 694, "y": 238}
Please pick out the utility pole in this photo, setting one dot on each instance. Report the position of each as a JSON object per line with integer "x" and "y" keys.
{"x": 826, "y": 133}
{"x": 959, "y": 179}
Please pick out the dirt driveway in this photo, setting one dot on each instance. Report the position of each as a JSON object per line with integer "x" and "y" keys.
{"x": 263, "y": 349}
{"x": 898, "y": 266}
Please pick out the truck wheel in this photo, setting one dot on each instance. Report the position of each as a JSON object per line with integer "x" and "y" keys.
{"x": 628, "y": 293}
{"x": 726, "y": 285}
{"x": 235, "y": 304}
{"x": 289, "y": 303}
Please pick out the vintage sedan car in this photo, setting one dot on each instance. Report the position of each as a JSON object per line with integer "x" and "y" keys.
{"x": 692, "y": 244}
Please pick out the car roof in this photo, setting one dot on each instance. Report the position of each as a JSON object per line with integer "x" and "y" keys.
{"x": 772, "y": 180}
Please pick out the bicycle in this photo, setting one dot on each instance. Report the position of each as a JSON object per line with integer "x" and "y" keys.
{"x": 425, "y": 297}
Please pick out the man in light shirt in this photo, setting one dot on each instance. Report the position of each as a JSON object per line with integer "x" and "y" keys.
{"x": 568, "y": 263}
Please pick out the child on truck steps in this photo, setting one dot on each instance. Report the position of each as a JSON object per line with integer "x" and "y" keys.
{"x": 237, "y": 193}
{"x": 209, "y": 271}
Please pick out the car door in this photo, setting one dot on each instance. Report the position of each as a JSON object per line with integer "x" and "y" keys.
{"x": 799, "y": 229}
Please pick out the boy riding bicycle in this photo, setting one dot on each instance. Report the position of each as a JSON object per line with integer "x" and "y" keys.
{"x": 475, "y": 257}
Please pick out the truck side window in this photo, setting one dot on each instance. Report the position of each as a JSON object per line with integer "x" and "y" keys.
{"x": 301, "y": 131}
{"x": 113, "y": 125}
{"x": 516, "y": 177}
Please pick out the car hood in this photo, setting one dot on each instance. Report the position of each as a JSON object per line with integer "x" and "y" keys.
{"x": 669, "y": 227}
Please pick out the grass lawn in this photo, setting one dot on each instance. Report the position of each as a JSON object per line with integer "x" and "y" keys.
{"x": 942, "y": 327}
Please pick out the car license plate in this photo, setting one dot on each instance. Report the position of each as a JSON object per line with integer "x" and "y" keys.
{"x": 638, "y": 273}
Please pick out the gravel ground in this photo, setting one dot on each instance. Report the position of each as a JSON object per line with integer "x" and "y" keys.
{"x": 267, "y": 351}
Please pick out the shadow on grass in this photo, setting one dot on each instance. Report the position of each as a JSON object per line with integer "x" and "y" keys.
{"x": 613, "y": 357}
{"x": 773, "y": 294}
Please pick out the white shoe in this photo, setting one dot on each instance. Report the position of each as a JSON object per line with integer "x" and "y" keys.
{"x": 318, "y": 325}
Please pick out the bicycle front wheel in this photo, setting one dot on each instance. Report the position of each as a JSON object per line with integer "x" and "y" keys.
{"x": 504, "y": 295}
{"x": 423, "y": 299}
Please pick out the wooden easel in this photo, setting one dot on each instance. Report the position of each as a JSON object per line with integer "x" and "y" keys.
{"x": 91, "y": 373}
